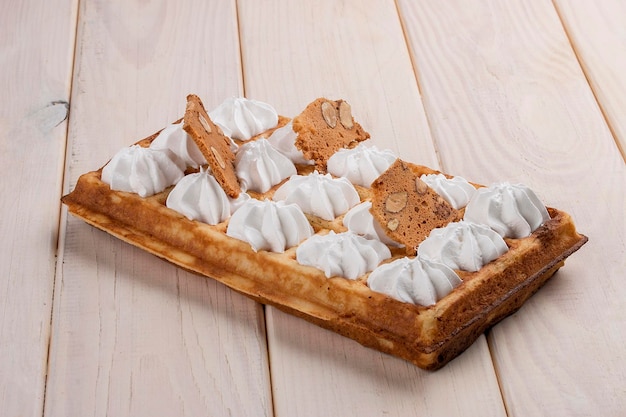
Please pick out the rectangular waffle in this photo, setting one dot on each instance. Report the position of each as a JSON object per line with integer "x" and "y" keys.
{"x": 429, "y": 337}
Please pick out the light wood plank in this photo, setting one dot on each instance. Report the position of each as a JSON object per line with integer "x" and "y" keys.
{"x": 134, "y": 336}
{"x": 507, "y": 100}
{"x": 292, "y": 54}
{"x": 36, "y": 50}
{"x": 597, "y": 31}
{"x": 316, "y": 372}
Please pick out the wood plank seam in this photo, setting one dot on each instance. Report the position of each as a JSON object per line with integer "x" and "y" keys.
{"x": 271, "y": 388}
{"x": 498, "y": 373}
{"x": 62, "y": 210}
{"x": 580, "y": 61}
{"x": 242, "y": 75}
{"x": 419, "y": 85}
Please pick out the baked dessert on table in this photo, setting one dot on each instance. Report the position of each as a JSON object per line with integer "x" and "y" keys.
{"x": 308, "y": 215}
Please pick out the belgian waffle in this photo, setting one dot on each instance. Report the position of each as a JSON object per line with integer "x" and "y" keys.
{"x": 429, "y": 337}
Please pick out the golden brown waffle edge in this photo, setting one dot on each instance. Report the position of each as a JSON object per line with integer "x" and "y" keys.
{"x": 429, "y": 337}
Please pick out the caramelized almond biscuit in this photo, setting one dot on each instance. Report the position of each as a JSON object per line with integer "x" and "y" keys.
{"x": 407, "y": 208}
{"x": 324, "y": 127}
{"x": 213, "y": 144}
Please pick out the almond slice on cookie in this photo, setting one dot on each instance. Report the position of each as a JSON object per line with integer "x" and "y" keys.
{"x": 407, "y": 208}
{"x": 324, "y": 127}
{"x": 213, "y": 144}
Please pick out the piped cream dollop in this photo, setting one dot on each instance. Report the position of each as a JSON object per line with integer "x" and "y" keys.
{"x": 269, "y": 225}
{"x": 259, "y": 166}
{"x": 144, "y": 171}
{"x": 512, "y": 210}
{"x": 462, "y": 245}
{"x": 174, "y": 138}
{"x": 414, "y": 280}
{"x": 283, "y": 140}
{"x": 456, "y": 190}
{"x": 361, "y": 164}
{"x": 199, "y": 196}
{"x": 319, "y": 194}
{"x": 241, "y": 118}
{"x": 342, "y": 254}
{"x": 359, "y": 220}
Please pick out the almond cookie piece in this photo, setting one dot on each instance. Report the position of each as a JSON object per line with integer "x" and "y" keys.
{"x": 213, "y": 144}
{"x": 407, "y": 208}
{"x": 324, "y": 127}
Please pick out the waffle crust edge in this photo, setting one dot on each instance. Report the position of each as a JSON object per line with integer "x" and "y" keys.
{"x": 429, "y": 337}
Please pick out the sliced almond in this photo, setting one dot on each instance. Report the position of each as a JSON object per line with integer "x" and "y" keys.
{"x": 218, "y": 157}
{"x": 396, "y": 202}
{"x": 329, "y": 114}
{"x": 204, "y": 123}
{"x": 345, "y": 115}
{"x": 420, "y": 186}
{"x": 393, "y": 224}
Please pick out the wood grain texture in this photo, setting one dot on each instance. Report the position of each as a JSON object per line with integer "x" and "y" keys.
{"x": 507, "y": 100}
{"x": 525, "y": 90}
{"x": 597, "y": 32}
{"x": 133, "y": 335}
{"x": 316, "y": 372}
{"x": 337, "y": 50}
{"x": 36, "y": 50}
{"x": 291, "y": 55}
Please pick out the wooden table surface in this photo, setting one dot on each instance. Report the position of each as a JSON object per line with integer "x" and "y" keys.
{"x": 531, "y": 91}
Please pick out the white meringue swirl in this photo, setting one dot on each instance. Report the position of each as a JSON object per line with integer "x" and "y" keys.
{"x": 462, "y": 245}
{"x": 361, "y": 164}
{"x": 342, "y": 254}
{"x": 359, "y": 220}
{"x": 319, "y": 195}
{"x": 174, "y": 138}
{"x": 241, "y": 118}
{"x": 283, "y": 140}
{"x": 269, "y": 225}
{"x": 512, "y": 210}
{"x": 456, "y": 190}
{"x": 199, "y": 196}
{"x": 414, "y": 280}
{"x": 259, "y": 166}
{"x": 144, "y": 171}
